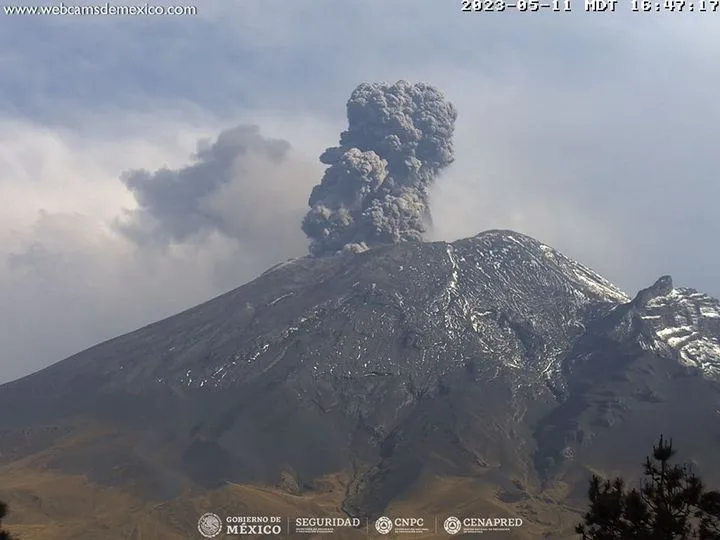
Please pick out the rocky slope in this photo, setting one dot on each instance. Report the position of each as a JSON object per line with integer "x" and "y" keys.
{"x": 493, "y": 357}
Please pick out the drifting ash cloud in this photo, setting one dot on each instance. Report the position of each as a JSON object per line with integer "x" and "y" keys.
{"x": 376, "y": 188}
{"x": 84, "y": 257}
{"x": 243, "y": 185}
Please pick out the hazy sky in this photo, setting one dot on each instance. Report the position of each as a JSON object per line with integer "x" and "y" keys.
{"x": 595, "y": 133}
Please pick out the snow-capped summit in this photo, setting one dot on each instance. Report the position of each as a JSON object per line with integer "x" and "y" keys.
{"x": 683, "y": 323}
{"x": 493, "y": 353}
{"x": 413, "y": 309}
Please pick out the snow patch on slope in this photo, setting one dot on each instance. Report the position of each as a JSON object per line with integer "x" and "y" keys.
{"x": 452, "y": 285}
{"x": 498, "y": 288}
{"x": 686, "y": 324}
{"x": 598, "y": 284}
{"x": 587, "y": 278}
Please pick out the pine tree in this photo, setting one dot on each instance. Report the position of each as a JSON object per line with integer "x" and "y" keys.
{"x": 4, "y": 535}
{"x": 671, "y": 504}
{"x": 709, "y": 515}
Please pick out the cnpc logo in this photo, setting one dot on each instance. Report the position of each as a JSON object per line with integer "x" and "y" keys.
{"x": 385, "y": 525}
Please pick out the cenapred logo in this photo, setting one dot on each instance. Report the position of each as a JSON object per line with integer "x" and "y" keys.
{"x": 480, "y": 525}
{"x": 452, "y": 525}
{"x": 210, "y": 525}
{"x": 384, "y": 525}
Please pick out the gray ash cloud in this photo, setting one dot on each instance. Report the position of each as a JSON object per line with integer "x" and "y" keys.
{"x": 375, "y": 190}
{"x": 173, "y": 204}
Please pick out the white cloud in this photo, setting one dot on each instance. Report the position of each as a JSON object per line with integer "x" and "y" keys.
{"x": 69, "y": 277}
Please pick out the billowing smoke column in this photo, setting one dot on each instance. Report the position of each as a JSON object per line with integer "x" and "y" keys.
{"x": 376, "y": 188}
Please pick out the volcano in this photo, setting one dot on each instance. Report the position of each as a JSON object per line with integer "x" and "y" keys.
{"x": 488, "y": 376}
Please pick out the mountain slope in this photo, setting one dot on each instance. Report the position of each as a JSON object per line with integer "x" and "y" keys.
{"x": 492, "y": 358}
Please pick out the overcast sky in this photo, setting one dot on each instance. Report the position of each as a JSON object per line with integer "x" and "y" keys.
{"x": 133, "y": 184}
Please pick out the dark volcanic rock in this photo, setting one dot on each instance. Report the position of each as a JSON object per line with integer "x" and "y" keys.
{"x": 490, "y": 353}
{"x": 662, "y": 287}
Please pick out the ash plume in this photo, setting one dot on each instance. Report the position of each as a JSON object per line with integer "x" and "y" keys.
{"x": 376, "y": 187}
